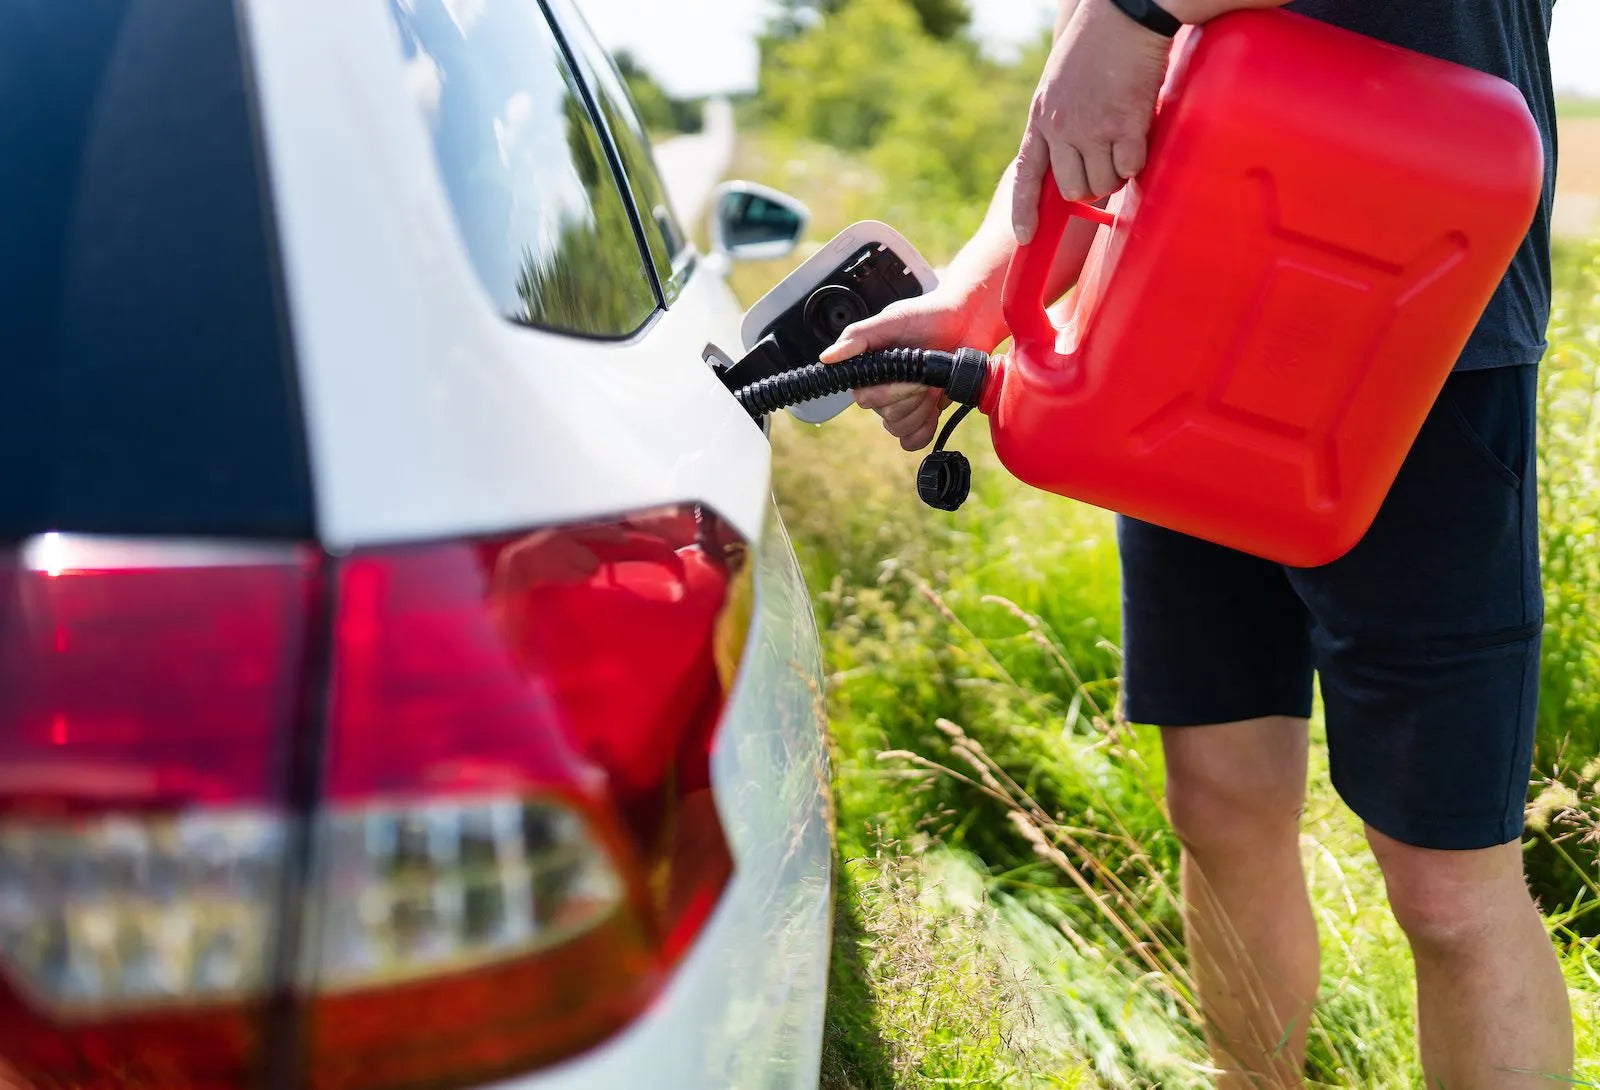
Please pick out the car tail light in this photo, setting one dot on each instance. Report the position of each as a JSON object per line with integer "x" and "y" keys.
{"x": 150, "y": 694}
{"x": 514, "y": 839}
{"x": 521, "y": 838}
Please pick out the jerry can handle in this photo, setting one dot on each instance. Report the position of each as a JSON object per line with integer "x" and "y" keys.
{"x": 1022, "y": 298}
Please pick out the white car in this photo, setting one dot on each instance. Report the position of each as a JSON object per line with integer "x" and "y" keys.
{"x": 405, "y": 679}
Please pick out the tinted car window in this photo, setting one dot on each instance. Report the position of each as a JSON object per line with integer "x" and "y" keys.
{"x": 146, "y": 386}
{"x": 527, "y": 175}
{"x": 668, "y": 244}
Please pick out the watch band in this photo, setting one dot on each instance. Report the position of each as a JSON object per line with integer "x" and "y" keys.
{"x": 1150, "y": 15}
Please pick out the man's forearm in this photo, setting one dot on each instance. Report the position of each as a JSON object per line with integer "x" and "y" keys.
{"x": 980, "y": 267}
{"x": 1199, "y": 11}
{"x": 1064, "y": 15}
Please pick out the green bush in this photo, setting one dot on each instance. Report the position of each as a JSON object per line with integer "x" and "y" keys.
{"x": 984, "y": 643}
{"x": 994, "y": 819}
{"x": 839, "y": 82}
{"x": 939, "y": 18}
{"x": 1569, "y": 425}
{"x": 1563, "y": 858}
{"x": 938, "y": 120}
{"x": 661, "y": 113}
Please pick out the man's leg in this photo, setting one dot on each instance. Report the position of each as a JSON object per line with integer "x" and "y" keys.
{"x": 1427, "y": 640}
{"x": 1492, "y": 1006}
{"x": 1235, "y": 793}
{"x": 1212, "y": 636}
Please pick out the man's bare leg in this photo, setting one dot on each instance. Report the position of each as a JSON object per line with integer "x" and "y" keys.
{"x": 1492, "y": 1008}
{"x": 1235, "y": 792}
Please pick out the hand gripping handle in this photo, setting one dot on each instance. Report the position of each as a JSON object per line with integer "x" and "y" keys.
{"x": 1022, "y": 299}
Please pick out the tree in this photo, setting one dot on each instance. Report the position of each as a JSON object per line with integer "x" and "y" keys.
{"x": 839, "y": 82}
{"x": 943, "y": 19}
{"x": 660, "y": 112}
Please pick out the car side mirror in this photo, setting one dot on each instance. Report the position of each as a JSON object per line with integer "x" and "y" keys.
{"x": 751, "y": 222}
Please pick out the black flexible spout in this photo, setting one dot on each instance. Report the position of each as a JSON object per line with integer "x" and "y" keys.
{"x": 945, "y": 476}
{"x": 960, "y": 374}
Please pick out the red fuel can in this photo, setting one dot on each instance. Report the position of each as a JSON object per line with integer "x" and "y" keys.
{"x": 1273, "y": 305}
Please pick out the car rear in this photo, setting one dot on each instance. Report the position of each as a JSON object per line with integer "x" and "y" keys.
{"x": 395, "y": 695}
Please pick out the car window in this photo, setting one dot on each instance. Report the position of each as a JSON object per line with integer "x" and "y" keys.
{"x": 669, "y": 246}
{"x": 526, "y": 172}
{"x": 148, "y": 384}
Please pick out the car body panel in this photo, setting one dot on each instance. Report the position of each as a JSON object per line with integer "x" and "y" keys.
{"x": 431, "y": 416}
{"x": 745, "y": 1008}
{"x": 417, "y": 394}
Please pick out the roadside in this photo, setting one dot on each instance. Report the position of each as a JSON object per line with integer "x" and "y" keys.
{"x": 691, "y": 165}
{"x": 1577, "y": 208}
{"x": 1006, "y": 890}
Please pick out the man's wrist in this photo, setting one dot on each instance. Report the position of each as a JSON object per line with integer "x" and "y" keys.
{"x": 1124, "y": 32}
{"x": 1190, "y": 11}
{"x": 970, "y": 286}
{"x": 1200, "y": 11}
{"x": 1150, "y": 15}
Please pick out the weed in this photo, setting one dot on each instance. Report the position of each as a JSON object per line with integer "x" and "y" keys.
{"x": 1008, "y": 909}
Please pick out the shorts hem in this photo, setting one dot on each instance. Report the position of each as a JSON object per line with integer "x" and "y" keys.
{"x": 1439, "y": 835}
{"x": 1157, "y": 714}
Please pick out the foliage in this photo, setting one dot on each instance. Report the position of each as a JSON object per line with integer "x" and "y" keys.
{"x": 660, "y": 112}
{"x": 590, "y": 280}
{"x": 941, "y": 120}
{"x": 1564, "y": 858}
{"x": 971, "y": 702}
{"x": 931, "y": 979}
{"x": 993, "y": 815}
{"x": 839, "y": 82}
{"x": 995, "y": 818}
{"x": 1569, "y": 441}
{"x": 1572, "y": 106}
{"x": 939, "y": 18}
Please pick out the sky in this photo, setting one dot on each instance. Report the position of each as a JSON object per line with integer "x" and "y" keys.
{"x": 697, "y": 47}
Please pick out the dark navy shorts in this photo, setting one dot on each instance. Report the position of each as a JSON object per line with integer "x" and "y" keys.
{"x": 1425, "y": 636}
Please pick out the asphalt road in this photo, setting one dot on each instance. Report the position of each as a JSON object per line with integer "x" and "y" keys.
{"x": 692, "y": 165}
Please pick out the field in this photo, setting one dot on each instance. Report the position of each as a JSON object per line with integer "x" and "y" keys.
{"x": 1006, "y": 910}
{"x": 1577, "y": 212}
{"x": 1579, "y": 157}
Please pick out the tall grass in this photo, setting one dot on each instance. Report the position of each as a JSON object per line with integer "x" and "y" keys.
{"x": 1569, "y": 511}
{"x": 1564, "y": 851}
{"x": 1007, "y": 910}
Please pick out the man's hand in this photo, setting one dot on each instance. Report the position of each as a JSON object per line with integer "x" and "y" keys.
{"x": 1091, "y": 112}
{"x": 946, "y": 319}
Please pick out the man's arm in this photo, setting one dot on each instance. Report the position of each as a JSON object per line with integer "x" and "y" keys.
{"x": 981, "y": 265}
{"x": 1063, "y": 17}
{"x": 1092, "y": 110}
{"x": 971, "y": 283}
{"x": 963, "y": 311}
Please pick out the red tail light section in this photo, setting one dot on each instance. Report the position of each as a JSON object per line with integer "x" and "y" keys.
{"x": 516, "y": 839}
{"x": 149, "y": 697}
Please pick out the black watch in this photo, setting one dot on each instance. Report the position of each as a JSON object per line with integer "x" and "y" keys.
{"x": 1150, "y": 15}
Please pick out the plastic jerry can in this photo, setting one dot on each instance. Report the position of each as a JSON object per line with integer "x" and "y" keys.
{"x": 1273, "y": 304}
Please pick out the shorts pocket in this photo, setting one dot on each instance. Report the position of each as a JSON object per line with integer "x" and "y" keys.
{"x": 1443, "y": 648}
{"x": 1491, "y": 412}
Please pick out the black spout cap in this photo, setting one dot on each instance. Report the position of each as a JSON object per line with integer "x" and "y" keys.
{"x": 944, "y": 479}
{"x": 969, "y": 371}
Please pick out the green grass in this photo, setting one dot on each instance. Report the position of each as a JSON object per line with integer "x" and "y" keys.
{"x": 1572, "y": 106}
{"x": 1006, "y": 905}
{"x": 1564, "y": 856}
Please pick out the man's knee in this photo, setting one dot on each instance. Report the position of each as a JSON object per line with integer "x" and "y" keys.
{"x": 1447, "y": 901}
{"x": 1234, "y": 787}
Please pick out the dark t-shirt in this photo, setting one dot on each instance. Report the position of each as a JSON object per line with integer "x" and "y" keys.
{"x": 1509, "y": 39}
